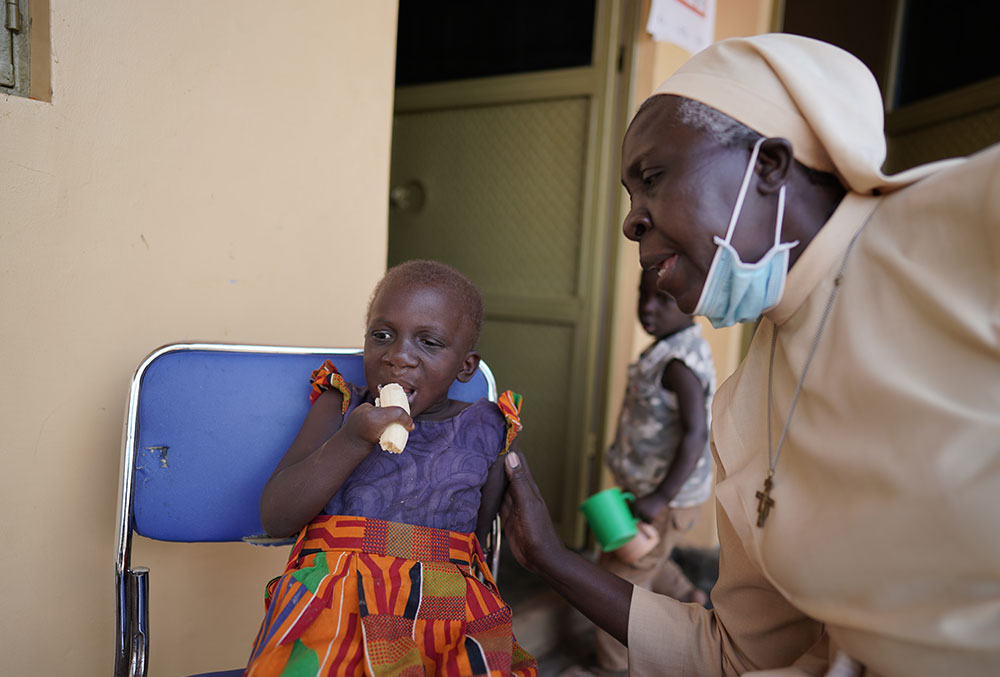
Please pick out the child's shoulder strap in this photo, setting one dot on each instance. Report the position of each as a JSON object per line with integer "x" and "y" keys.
{"x": 328, "y": 378}
{"x": 510, "y": 407}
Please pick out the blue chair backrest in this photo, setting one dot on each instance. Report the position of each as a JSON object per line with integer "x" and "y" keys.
{"x": 213, "y": 422}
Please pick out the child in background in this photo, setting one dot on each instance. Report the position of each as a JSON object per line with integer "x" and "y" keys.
{"x": 661, "y": 451}
{"x": 383, "y": 576}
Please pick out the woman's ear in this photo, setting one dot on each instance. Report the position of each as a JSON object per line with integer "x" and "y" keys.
{"x": 469, "y": 366}
{"x": 774, "y": 162}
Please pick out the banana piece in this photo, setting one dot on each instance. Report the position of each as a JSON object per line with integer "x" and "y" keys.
{"x": 394, "y": 437}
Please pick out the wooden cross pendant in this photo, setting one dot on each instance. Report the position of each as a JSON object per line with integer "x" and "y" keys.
{"x": 764, "y": 502}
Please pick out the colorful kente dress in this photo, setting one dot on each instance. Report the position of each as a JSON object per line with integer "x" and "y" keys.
{"x": 390, "y": 580}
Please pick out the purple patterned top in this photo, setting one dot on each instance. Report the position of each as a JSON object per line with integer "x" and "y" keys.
{"x": 437, "y": 481}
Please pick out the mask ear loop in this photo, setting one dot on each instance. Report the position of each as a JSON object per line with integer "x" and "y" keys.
{"x": 743, "y": 190}
{"x": 781, "y": 216}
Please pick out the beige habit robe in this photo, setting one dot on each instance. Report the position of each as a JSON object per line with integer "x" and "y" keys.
{"x": 885, "y": 533}
{"x": 884, "y": 540}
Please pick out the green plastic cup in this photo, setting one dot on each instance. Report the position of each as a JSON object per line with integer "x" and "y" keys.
{"x": 610, "y": 518}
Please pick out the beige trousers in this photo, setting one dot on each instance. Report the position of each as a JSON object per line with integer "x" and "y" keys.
{"x": 654, "y": 571}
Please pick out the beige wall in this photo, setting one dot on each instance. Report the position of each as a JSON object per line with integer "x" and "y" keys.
{"x": 654, "y": 63}
{"x": 213, "y": 170}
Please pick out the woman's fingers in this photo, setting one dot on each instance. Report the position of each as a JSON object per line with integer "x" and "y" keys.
{"x": 522, "y": 484}
{"x": 526, "y": 520}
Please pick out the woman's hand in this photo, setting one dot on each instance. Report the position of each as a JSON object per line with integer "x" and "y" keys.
{"x": 600, "y": 595}
{"x": 526, "y": 522}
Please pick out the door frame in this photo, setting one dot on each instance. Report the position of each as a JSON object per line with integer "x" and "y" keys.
{"x": 607, "y": 84}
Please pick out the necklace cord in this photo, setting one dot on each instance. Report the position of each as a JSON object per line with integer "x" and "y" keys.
{"x": 773, "y": 461}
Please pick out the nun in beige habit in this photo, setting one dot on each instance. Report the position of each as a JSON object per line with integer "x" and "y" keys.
{"x": 857, "y": 445}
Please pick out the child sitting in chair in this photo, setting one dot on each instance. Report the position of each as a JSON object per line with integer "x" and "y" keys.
{"x": 383, "y": 578}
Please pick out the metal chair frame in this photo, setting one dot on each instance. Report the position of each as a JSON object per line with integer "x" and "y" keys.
{"x": 132, "y": 582}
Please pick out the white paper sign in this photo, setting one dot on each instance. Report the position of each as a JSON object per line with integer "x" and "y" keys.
{"x": 687, "y": 23}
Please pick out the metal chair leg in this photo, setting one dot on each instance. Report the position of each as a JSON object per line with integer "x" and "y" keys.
{"x": 494, "y": 555}
{"x": 123, "y": 622}
{"x": 139, "y": 632}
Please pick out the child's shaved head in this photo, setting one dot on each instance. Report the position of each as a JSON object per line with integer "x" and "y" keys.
{"x": 427, "y": 273}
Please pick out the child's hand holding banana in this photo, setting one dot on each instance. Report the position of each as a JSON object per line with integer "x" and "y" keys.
{"x": 394, "y": 437}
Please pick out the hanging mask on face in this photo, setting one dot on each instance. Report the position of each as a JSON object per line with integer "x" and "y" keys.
{"x": 735, "y": 291}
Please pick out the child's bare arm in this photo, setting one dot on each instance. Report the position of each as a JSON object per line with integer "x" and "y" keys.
{"x": 679, "y": 379}
{"x": 321, "y": 458}
{"x": 489, "y": 505}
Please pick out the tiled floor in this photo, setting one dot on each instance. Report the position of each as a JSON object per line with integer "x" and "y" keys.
{"x": 555, "y": 633}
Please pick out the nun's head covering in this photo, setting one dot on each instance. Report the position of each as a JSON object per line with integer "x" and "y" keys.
{"x": 819, "y": 97}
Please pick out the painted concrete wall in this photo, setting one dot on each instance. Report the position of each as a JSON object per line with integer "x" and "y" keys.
{"x": 203, "y": 170}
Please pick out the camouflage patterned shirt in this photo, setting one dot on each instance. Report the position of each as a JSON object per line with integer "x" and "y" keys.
{"x": 649, "y": 428}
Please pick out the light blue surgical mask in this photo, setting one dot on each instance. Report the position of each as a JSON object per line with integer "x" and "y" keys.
{"x": 735, "y": 291}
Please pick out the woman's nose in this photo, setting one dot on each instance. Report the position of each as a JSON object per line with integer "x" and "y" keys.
{"x": 636, "y": 224}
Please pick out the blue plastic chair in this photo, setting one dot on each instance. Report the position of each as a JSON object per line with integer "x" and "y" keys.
{"x": 205, "y": 426}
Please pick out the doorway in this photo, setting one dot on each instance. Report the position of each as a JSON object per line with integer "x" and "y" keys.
{"x": 504, "y": 164}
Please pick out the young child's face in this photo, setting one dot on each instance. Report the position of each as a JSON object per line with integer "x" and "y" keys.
{"x": 419, "y": 338}
{"x": 658, "y": 311}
